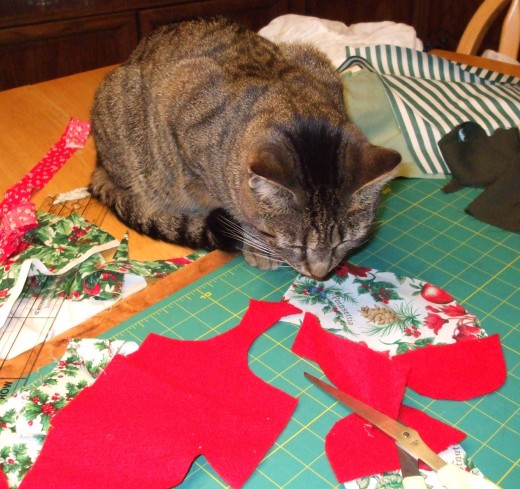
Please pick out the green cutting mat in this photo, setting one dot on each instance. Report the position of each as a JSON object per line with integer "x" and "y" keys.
{"x": 421, "y": 233}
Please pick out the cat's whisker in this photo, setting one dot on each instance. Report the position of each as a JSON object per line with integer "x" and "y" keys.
{"x": 283, "y": 263}
{"x": 250, "y": 241}
{"x": 234, "y": 230}
{"x": 261, "y": 247}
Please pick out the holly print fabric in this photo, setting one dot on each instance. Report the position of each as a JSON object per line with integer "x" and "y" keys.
{"x": 25, "y": 417}
{"x": 57, "y": 244}
{"x": 61, "y": 260}
{"x": 63, "y": 242}
{"x": 121, "y": 264}
{"x": 385, "y": 311}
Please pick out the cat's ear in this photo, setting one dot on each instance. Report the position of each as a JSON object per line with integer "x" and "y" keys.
{"x": 269, "y": 179}
{"x": 377, "y": 165}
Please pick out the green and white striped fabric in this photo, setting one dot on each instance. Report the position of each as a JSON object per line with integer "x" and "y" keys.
{"x": 431, "y": 95}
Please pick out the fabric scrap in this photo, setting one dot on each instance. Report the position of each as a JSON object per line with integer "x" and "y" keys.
{"x": 194, "y": 397}
{"x": 476, "y": 159}
{"x": 456, "y": 372}
{"x": 17, "y": 214}
{"x": 331, "y": 36}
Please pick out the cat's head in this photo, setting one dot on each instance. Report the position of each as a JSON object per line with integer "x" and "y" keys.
{"x": 311, "y": 193}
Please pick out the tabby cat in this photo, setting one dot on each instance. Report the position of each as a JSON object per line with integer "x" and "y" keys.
{"x": 211, "y": 136}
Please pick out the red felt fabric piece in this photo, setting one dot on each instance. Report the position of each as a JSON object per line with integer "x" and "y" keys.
{"x": 357, "y": 449}
{"x": 144, "y": 421}
{"x": 458, "y": 371}
{"x": 3, "y": 481}
{"x": 364, "y": 373}
{"x": 353, "y": 449}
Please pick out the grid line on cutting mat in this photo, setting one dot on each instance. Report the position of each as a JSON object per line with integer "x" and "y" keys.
{"x": 421, "y": 233}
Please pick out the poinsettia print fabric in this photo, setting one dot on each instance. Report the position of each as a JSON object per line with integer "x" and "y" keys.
{"x": 25, "y": 417}
{"x": 385, "y": 311}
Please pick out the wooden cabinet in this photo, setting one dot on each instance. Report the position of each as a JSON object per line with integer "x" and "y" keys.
{"x": 253, "y": 13}
{"x": 439, "y": 23}
{"x": 362, "y": 10}
{"x": 34, "y": 53}
{"x": 40, "y": 42}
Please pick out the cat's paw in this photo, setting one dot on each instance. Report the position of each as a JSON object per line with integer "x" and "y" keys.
{"x": 255, "y": 259}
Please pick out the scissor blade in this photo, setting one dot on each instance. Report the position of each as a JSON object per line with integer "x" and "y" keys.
{"x": 406, "y": 437}
{"x": 412, "y": 478}
{"x": 408, "y": 463}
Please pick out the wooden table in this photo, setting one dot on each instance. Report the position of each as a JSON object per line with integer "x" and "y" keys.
{"x": 33, "y": 118}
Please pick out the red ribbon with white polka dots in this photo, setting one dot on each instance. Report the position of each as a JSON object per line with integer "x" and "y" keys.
{"x": 17, "y": 213}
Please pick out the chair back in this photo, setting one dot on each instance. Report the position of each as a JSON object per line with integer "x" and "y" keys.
{"x": 481, "y": 21}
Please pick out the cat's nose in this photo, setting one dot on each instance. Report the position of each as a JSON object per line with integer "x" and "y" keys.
{"x": 319, "y": 278}
{"x": 318, "y": 271}
{"x": 318, "y": 264}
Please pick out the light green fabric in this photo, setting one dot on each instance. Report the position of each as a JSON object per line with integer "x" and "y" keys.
{"x": 370, "y": 110}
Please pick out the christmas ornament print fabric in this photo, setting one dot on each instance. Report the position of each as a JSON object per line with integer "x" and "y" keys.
{"x": 385, "y": 311}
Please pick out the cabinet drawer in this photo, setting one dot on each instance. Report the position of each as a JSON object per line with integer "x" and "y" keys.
{"x": 253, "y": 14}
{"x": 30, "y": 54}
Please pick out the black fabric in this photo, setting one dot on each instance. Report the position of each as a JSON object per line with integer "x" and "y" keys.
{"x": 476, "y": 159}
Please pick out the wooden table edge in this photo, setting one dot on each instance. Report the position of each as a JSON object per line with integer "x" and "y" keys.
{"x": 53, "y": 349}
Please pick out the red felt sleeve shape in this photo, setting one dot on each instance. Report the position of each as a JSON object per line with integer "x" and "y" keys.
{"x": 365, "y": 374}
{"x": 458, "y": 371}
{"x": 144, "y": 421}
{"x": 356, "y": 449}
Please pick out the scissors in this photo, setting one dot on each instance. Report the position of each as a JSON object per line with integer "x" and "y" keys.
{"x": 411, "y": 447}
